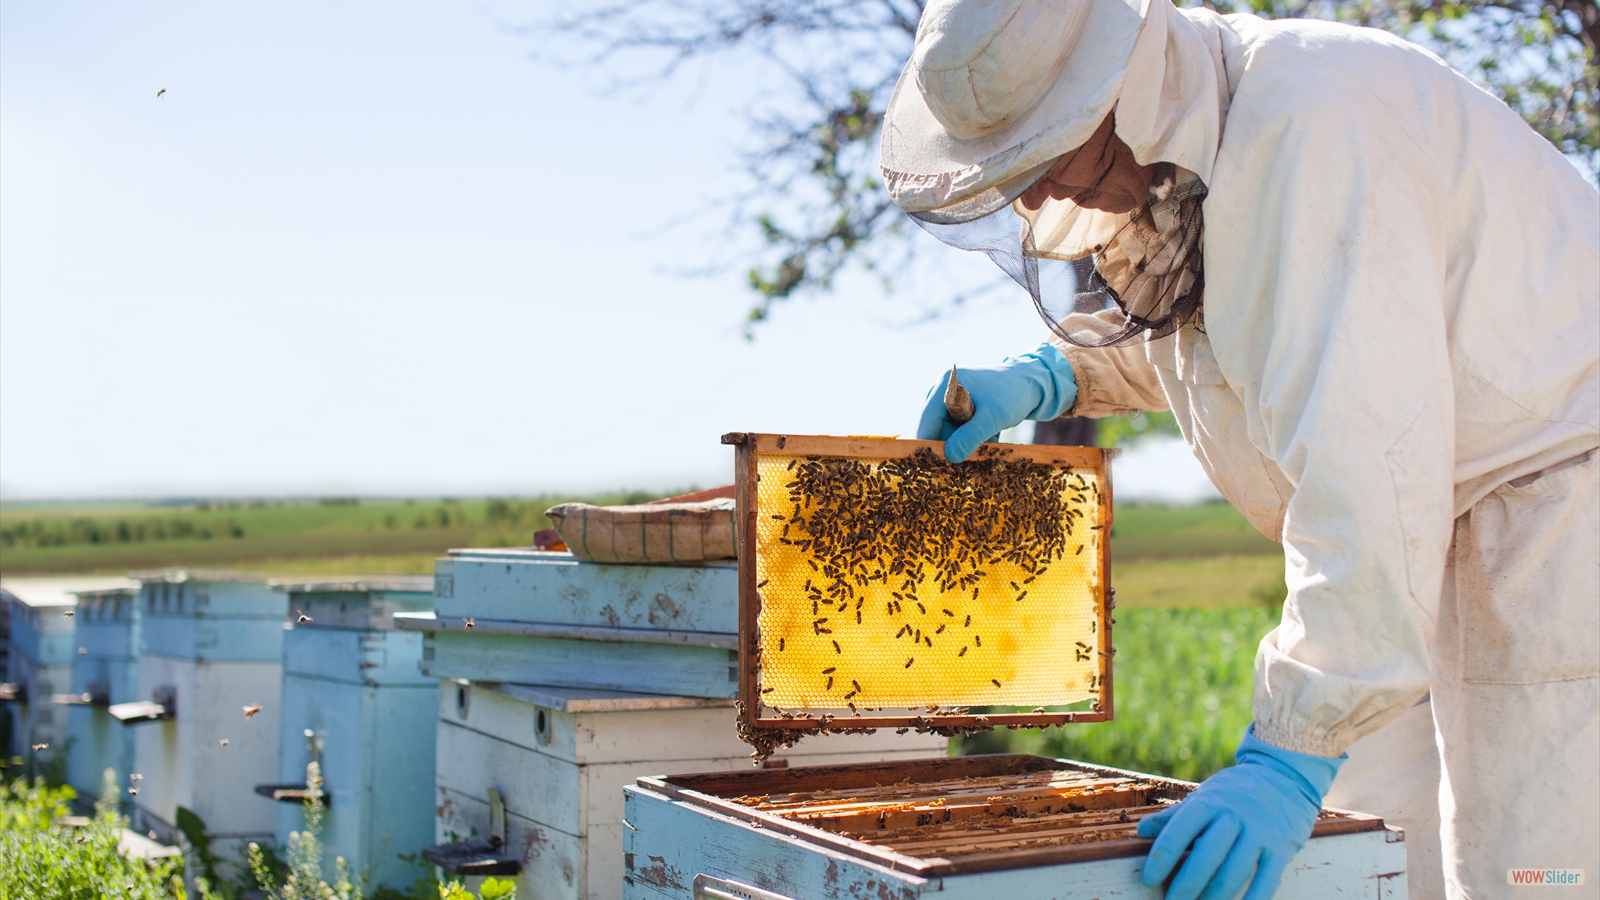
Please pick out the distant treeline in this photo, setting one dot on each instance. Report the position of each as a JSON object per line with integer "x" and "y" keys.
{"x": 58, "y": 532}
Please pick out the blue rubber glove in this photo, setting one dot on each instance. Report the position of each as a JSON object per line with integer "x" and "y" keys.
{"x": 1037, "y": 385}
{"x": 1248, "y": 819}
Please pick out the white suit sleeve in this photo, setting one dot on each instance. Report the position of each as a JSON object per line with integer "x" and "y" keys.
{"x": 1326, "y": 276}
{"x": 1112, "y": 381}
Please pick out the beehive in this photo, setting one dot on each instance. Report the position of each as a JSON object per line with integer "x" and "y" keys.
{"x": 965, "y": 828}
{"x": 545, "y": 618}
{"x": 211, "y": 644}
{"x": 877, "y": 577}
{"x": 105, "y": 671}
{"x": 354, "y": 700}
{"x": 574, "y": 679}
{"x": 40, "y": 655}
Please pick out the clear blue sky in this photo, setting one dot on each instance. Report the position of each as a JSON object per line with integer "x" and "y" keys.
{"x": 375, "y": 248}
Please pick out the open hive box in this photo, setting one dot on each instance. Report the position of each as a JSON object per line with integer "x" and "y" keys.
{"x": 882, "y": 587}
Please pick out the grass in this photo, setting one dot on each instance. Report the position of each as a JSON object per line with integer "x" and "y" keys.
{"x": 386, "y": 536}
{"x": 1206, "y": 582}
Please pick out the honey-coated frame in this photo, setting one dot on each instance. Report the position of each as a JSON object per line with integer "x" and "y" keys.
{"x": 749, "y": 446}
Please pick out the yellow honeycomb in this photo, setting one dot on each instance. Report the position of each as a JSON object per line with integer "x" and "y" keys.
{"x": 1022, "y": 633}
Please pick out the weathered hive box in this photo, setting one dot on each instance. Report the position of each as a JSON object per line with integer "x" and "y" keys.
{"x": 558, "y": 759}
{"x": 973, "y": 828}
{"x": 355, "y": 701}
{"x": 546, "y": 618}
{"x": 105, "y": 671}
{"x": 41, "y": 651}
{"x": 211, "y": 646}
{"x": 572, "y": 680}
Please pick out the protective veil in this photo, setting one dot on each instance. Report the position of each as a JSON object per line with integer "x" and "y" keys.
{"x": 1396, "y": 373}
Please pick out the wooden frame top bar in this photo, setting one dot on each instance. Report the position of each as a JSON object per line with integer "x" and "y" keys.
{"x": 756, "y": 718}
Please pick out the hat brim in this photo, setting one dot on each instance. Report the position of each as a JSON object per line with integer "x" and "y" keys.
{"x": 925, "y": 168}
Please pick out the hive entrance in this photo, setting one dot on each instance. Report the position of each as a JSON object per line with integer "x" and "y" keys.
{"x": 882, "y": 586}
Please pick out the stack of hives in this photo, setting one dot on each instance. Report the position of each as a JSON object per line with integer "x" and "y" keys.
{"x": 355, "y": 701}
{"x": 41, "y": 658}
{"x": 206, "y": 718}
{"x": 566, "y": 680}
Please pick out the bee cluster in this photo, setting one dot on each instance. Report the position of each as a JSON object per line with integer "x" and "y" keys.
{"x": 915, "y": 553}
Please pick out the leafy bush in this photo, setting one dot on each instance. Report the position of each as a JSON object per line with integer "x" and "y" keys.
{"x": 1184, "y": 680}
{"x": 40, "y": 858}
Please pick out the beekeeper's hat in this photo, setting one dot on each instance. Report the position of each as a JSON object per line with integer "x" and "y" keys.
{"x": 995, "y": 92}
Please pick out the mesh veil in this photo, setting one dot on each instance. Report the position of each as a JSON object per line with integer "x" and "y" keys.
{"x": 1078, "y": 263}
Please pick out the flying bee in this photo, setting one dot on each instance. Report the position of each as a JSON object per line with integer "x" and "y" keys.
{"x": 251, "y": 710}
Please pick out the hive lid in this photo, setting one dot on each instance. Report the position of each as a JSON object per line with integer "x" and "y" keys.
{"x": 852, "y": 549}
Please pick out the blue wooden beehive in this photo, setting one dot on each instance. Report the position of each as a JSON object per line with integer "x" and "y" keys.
{"x": 573, "y": 679}
{"x": 211, "y": 646}
{"x": 43, "y": 620}
{"x": 105, "y": 671}
{"x": 355, "y": 700}
{"x": 546, "y": 618}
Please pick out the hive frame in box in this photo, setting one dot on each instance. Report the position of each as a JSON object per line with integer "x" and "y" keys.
{"x": 715, "y": 793}
{"x": 749, "y": 447}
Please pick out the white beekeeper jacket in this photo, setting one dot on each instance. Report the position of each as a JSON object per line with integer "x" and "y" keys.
{"x": 1402, "y": 285}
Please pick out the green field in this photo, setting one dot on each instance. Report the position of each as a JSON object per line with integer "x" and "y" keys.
{"x": 275, "y": 537}
{"x": 1156, "y": 550}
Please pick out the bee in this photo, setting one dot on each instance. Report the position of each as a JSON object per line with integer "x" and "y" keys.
{"x": 1021, "y": 595}
{"x": 765, "y": 580}
{"x": 40, "y": 747}
{"x": 977, "y": 640}
{"x": 222, "y": 741}
{"x": 83, "y": 651}
{"x": 910, "y": 661}
{"x": 133, "y": 791}
{"x": 948, "y": 613}
{"x": 855, "y": 684}
{"x": 941, "y": 630}
{"x": 134, "y": 776}
{"x": 836, "y": 647}
{"x": 70, "y": 613}
{"x": 963, "y": 652}
{"x": 768, "y": 690}
{"x": 967, "y": 623}
{"x": 251, "y": 710}
{"x": 780, "y": 645}
{"x": 830, "y": 670}
{"x": 303, "y": 618}
{"x": 995, "y": 682}
{"x": 829, "y": 685}
{"x": 471, "y": 622}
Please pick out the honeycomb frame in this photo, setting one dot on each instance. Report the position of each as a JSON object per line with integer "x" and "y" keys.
{"x": 945, "y": 709}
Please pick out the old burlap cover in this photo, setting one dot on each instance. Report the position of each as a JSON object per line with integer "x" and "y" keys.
{"x": 648, "y": 533}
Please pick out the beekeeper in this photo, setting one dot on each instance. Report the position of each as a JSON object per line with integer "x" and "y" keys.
{"x": 1371, "y": 296}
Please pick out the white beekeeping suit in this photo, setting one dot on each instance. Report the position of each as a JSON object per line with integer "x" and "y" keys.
{"x": 1396, "y": 373}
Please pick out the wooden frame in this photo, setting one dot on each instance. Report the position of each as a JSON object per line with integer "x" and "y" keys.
{"x": 750, "y": 446}
{"x": 713, "y": 792}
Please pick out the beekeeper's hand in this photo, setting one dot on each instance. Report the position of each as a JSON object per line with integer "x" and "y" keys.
{"x": 1246, "y": 820}
{"x": 1037, "y": 385}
